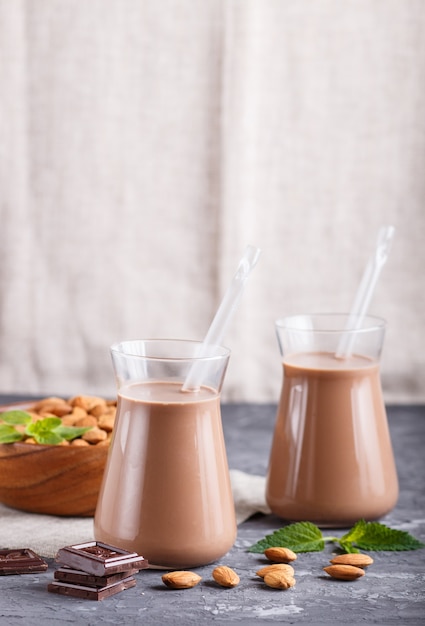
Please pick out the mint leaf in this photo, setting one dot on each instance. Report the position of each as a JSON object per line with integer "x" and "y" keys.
{"x": 15, "y": 417}
{"x": 376, "y": 536}
{"x": 43, "y": 425}
{"x": 50, "y": 431}
{"x": 46, "y": 431}
{"x": 306, "y": 537}
{"x": 347, "y": 546}
{"x": 48, "y": 438}
{"x": 299, "y": 537}
{"x": 8, "y": 434}
{"x": 356, "y": 532}
{"x": 71, "y": 432}
{"x": 42, "y": 430}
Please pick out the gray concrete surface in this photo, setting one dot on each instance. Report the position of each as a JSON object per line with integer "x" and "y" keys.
{"x": 392, "y": 592}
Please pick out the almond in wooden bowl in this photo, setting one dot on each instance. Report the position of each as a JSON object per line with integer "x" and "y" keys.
{"x": 62, "y": 479}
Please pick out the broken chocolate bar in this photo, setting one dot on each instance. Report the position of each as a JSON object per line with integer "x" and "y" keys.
{"x": 21, "y": 561}
{"x": 100, "y": 559}
{"x": 75, "y": 576}
{"x": 91, "y": 593}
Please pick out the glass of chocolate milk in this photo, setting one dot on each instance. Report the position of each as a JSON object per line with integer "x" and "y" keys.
{"x": 331, "y": 460}
{"x": 166, "y": 491}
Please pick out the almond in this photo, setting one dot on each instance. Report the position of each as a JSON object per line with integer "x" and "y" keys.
{"x": 54, "y": 405}
{"x": 357, "y": 559}
{"x": 86, "y": 402}
{"x": 280, "y": 555}
{"x": 107, "y": 421}
{"x": 98, "y": 409}
{"x": 79, "y": 443}
{"x": 69, "y": 420}
{"x": 87, "y": 421}
{"x": 344, "y": 572}
{"x": 104, "y": 442}
{"x": 283, "y": 567}
{"x": 59, "y": 408}
{"x": 78, "y": 413}
{"x": 181, "y": 579}
{"x": 95, "y": 435}
{"x": 225, "y": 576}
{"x": 279, "y": 580}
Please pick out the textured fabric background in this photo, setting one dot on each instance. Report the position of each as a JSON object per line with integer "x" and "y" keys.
{"x": 145, "y": 143}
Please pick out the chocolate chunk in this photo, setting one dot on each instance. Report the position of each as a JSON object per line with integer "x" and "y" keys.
{"x": 21, "y": 561}
{"x": 100, "y": 559}
{"x": 75, "y": 576}
{"x": 91, "y": 593}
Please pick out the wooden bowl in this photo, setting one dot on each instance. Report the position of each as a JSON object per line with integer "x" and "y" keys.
{"x": 57, "y": 480}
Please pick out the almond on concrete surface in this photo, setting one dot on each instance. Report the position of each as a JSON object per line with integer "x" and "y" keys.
{"x": 279, "y": 580}
{"x": 357, "y": 559}
{"x": 181, "y": 579}
{"x": 284, "y": 567}
{"x": 225, "y": 576}
{"x": 344, "y": 572}
{"x": 280, "y": 555}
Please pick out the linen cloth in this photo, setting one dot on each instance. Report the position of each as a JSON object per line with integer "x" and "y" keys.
{"x": 46, "y": 534}
{"x": 145, "y": 143}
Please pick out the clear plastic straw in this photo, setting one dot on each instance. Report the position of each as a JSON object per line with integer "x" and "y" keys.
{"x": 365, "y": 290}
{"x": 221, "y": 320}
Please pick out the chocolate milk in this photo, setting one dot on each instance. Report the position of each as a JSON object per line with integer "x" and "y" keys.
{"x": 331, "y": 461}
{"x": 166, "y": 491}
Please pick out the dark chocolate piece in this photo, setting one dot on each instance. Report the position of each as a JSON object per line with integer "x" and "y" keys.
{"x": 99, "y": 558}
{"x": 21, "y": 561}
{"x": 76, "y": 576}
{"x": 91, "y": 593}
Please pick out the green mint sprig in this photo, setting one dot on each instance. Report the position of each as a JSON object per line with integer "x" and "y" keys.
{"x": 46, "y": 431}
{"x": 307, "y": 537}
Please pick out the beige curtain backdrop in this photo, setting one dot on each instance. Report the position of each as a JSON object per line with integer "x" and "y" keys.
{"x": 145, "y": 143}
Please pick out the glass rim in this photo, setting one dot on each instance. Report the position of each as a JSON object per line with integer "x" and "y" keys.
{"x": 375, "y": 323}
{"x": 118, "y": 348}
